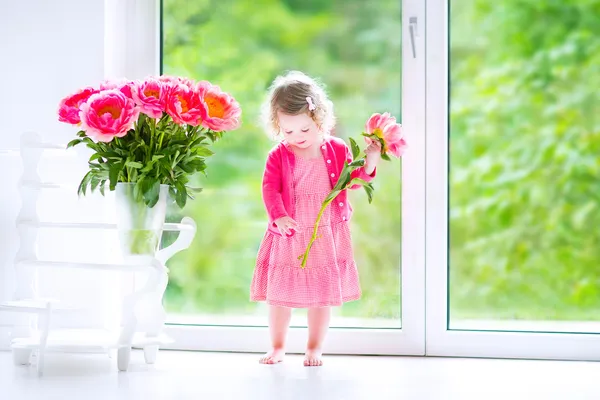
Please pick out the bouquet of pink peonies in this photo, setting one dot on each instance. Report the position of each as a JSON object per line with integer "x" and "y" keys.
{"x": 380, "y": 127}
{"x": 148, "y": 137}
{"x": 149, "y": 133}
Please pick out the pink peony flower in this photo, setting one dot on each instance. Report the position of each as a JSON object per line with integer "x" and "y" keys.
{"x": 151, "y": 96}
{"x": 397, "y": 148}
{"x": 184, "y": 105}
{"x": 69, "y": 107}
{"x": 170, "y": 83}
{"x": 126, "y": 87}
{"x": 175, "y": 80}
{"x": 108, "y": 114}
{"x": 384, "y": 127}
{"x": 221, "y": 112}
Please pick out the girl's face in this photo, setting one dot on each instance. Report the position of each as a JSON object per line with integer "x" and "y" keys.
{"x": 299, "y": 130}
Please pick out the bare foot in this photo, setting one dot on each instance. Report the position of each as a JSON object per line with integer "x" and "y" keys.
{"x": 274, "y": 356}
{"x": 312, "y": 358}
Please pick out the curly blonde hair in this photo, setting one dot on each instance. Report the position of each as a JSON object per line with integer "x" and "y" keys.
{"x": 288, "y": 94}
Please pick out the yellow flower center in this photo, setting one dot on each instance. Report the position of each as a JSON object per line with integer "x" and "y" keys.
{"x": 151, "y": 93}
{"x": 184, "y": 105}
{"x": 215, "y": 107}
{"x": 112, "y": 110}
{"x": 379, "y": 133}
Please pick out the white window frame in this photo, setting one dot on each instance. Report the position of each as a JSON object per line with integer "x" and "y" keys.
{"x": 143, "y": 27}
{"x": 440, "y": 340}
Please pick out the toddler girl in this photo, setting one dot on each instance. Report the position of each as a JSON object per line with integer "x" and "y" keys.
{"x": 300, "y": 172}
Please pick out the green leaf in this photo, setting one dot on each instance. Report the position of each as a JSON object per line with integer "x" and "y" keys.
{"x": 113, "y": 175}
{"x": 152, "y": 193}
{"x": 175, "y": 159}
{"x": 84, "y": 183}
{"x": 203, "y": 151}
{"x": 73, "y": 143}
{"x": 169, "y": 151}
{"x": 95, "y": 182}
{"x": 358, "y": 181}
{"x": 122, "y": 153}
{"x": 102, "y": 186}
{"x": 197, "y": 141}
{"x": 195, "y": 190}
{"x": 133, "y": 177}
{"x": 91, "y": 145}
{"x": 94, "y": 157}
{"x": 344, "y": 177}
{"x": 385, "y": 157}
{"x": 134, "y": 164}
{"x": 149, "y": 167}
{"x": 369, "y": 189}
{"x": 109, "y": 154}
{"x": 355, "y": 149}
{"x": 195, "y": 165}
{"x": 185, "y": 167}
{"x": 212, "y": 136}
{"x": 357, "y": 163}
{"x": 181, "y": 196}
{"x": 139, "y": 188}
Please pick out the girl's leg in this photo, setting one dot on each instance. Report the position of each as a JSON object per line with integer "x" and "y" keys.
{"x": 318, "y": 324}
{"x": 279, "y": 321}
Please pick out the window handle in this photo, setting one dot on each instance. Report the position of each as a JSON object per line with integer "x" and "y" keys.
{"x": 412, "y": 27}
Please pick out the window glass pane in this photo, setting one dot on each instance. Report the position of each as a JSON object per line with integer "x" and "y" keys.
{"x": 354, "y": 47}
{"x": 525, "y": 165}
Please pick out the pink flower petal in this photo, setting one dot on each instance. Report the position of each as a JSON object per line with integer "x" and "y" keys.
{"x": 69, "y": 107}
{"x": 385, "y": 126}
{"x": 221, "y": 112}
{"x": 108, "y": 114}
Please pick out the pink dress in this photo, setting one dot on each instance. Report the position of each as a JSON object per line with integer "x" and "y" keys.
{"x": 330, "y": 277}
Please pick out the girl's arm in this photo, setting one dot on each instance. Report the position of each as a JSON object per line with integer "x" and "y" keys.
{"x": 271, "y": 189}
{"x": 359, "y": 172}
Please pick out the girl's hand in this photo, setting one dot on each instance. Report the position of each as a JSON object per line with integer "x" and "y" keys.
{"x": 286, "y": 225}
{"x": 373, "y": 152}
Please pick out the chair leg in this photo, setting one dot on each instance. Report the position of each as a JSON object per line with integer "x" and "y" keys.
{"x": 45, "y": 328}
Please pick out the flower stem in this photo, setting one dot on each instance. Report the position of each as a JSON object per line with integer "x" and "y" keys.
{"x": 314, "y": 235}
{"x": 162, "y": 134}
{"x": 153, "y": 131}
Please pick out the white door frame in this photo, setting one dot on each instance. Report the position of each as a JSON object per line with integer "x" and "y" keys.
{"x": 440, "y": 340}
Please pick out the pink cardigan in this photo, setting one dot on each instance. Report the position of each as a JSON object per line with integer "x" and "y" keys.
{"x": 278, "y": 187}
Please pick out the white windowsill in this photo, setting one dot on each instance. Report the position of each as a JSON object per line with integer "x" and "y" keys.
{"x": 298, "y": 319}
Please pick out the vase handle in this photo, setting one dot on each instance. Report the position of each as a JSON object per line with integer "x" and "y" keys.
{"x": 184, "y": 240}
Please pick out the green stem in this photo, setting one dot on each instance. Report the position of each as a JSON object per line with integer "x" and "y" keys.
{"x": 140, "y": 238}
{"x": 314, "y": 235}
{"x": 160, "y": 140}
{"x": 162, "y": 135}
{"x": 151, "y": 146}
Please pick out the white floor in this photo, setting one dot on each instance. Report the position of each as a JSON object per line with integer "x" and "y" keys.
{"x": 188, "y": 375}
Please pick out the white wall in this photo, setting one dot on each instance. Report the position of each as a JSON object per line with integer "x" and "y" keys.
{"x": 48, "y": 50}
